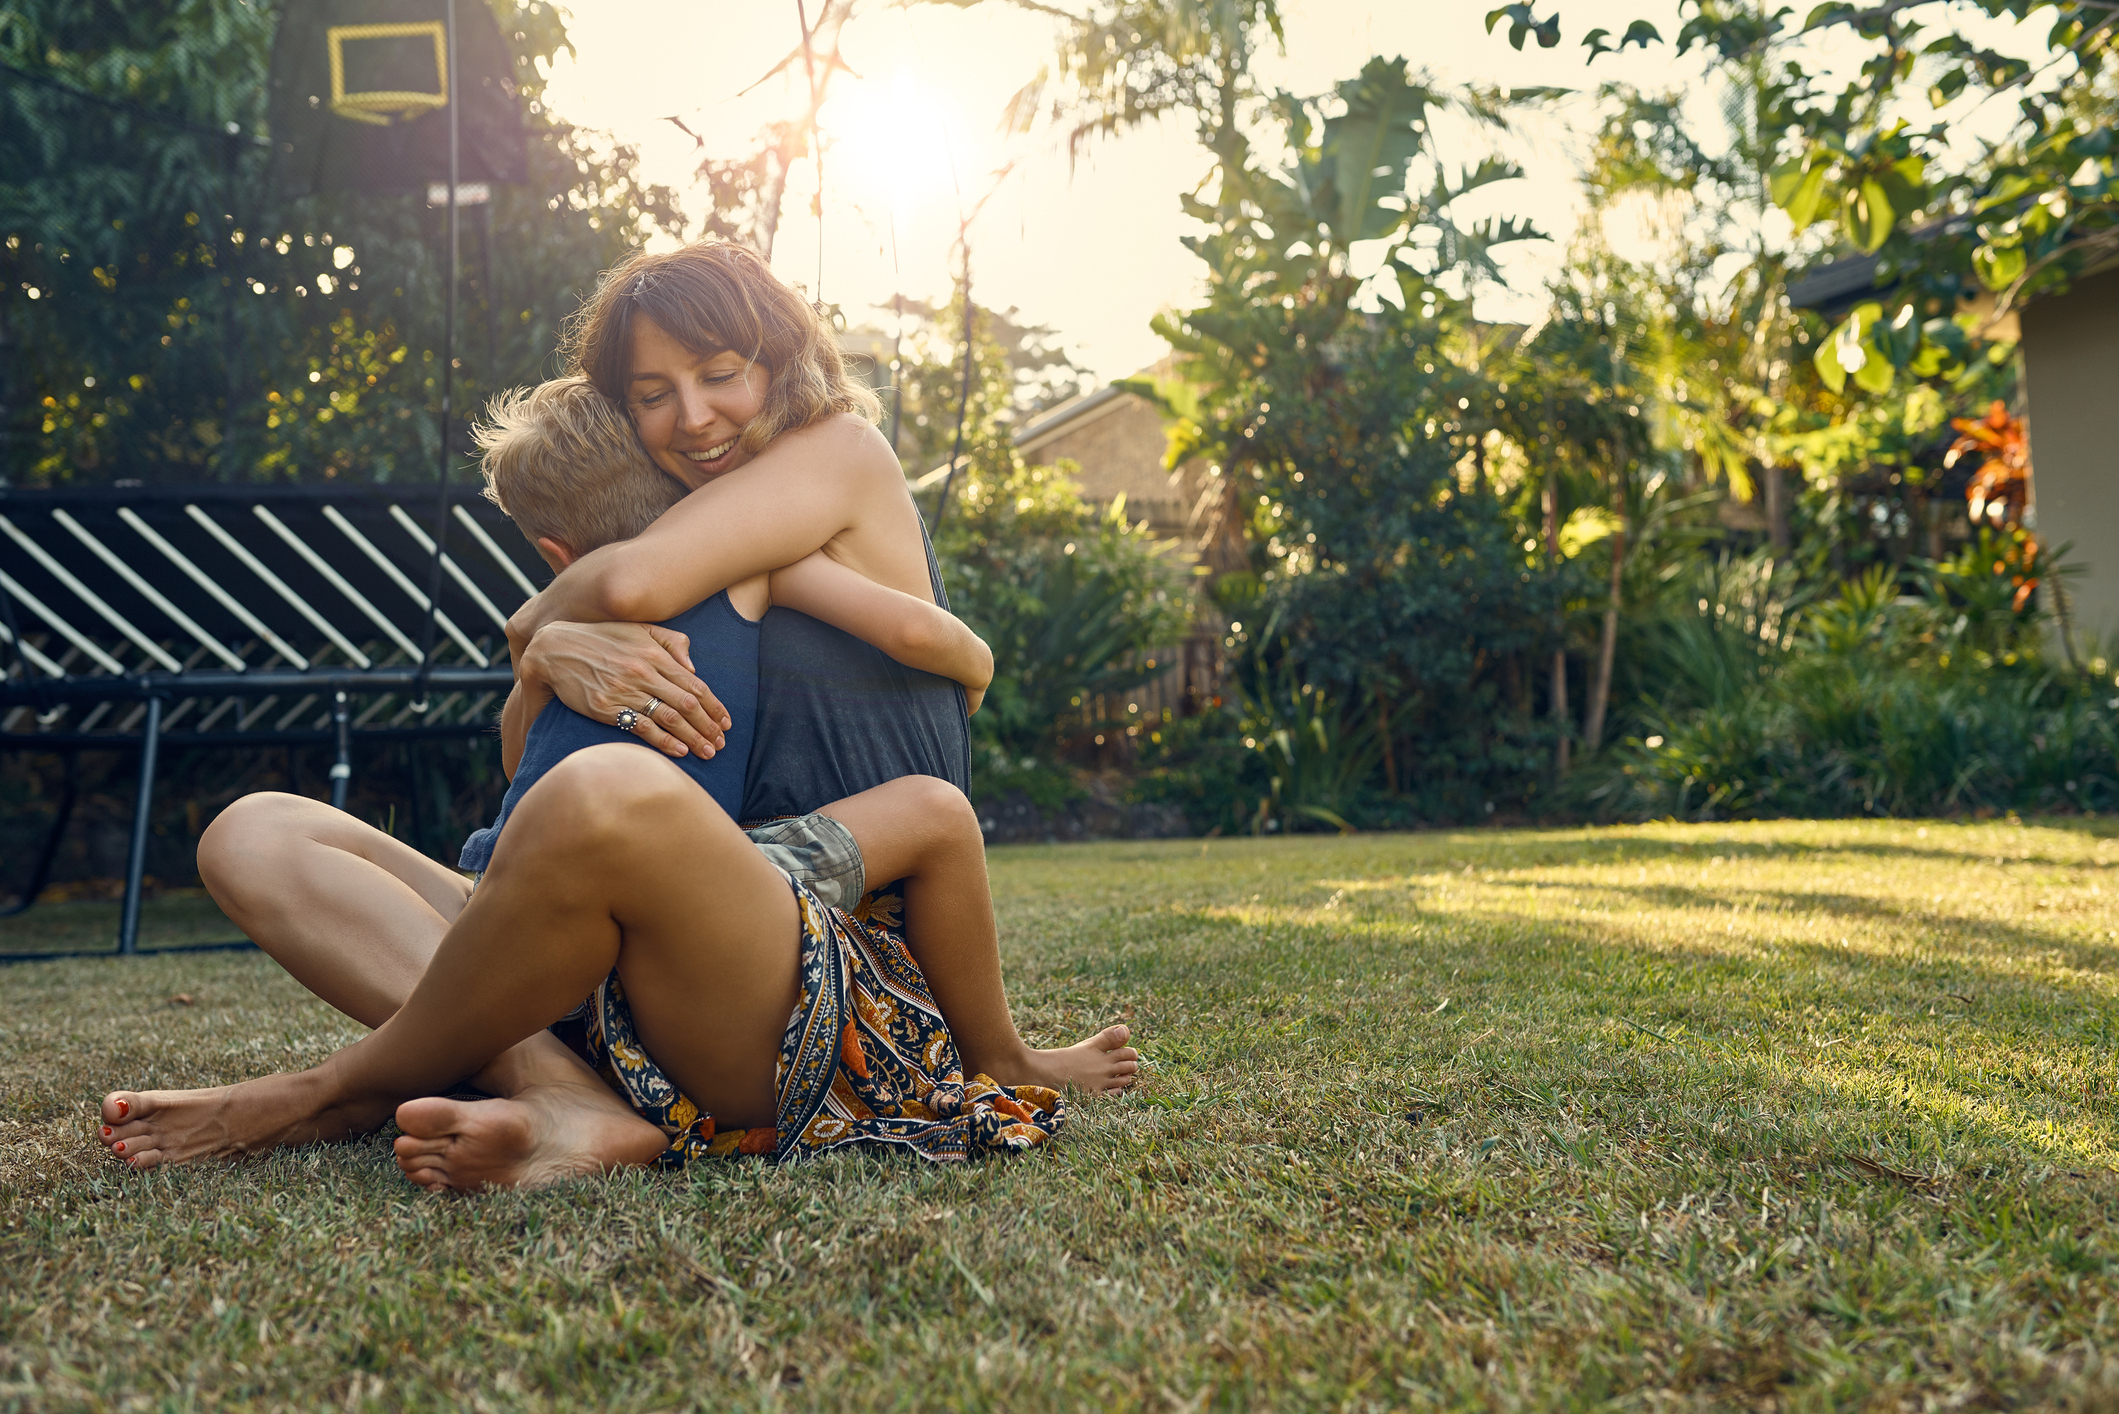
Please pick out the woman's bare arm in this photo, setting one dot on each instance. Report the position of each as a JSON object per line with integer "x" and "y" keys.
{"x": 833, "y": 483}
{"x": 525, "y": 701}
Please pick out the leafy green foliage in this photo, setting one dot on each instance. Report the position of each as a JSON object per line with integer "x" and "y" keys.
{"x": 1391, "y": 598}
{"x": 2021, "y": 220}
{"x": 1865, "y": 701}
{"x": 1523, "y": 24}
{"x": 1125, "y": 63}
{"x": 1073, "y": 599}
{"x": 191, "y": 323}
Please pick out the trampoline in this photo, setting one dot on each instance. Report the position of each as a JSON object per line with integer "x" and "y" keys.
{"x": 138, "y": 618}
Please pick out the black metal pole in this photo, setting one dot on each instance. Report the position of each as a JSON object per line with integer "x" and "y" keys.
{"x": 231, "y": 321}
{"x": 7, "y": 381}
{"x": 448, "y": 372}
{"x": 341, "y": 769}
{"x": 415, "y": 800}
{"x": 49, "y": 854}
{"x": 486, "y": 296}
{"x": 143, "y": 805}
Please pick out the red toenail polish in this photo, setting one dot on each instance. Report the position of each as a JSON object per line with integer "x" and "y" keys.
{"x": 106, "y": 1131}
{"x": 124, "y": 1108}
{"x": 121, "y": 1146}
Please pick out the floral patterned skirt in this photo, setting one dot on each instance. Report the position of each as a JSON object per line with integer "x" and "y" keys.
{"x": 866, "y": 1058}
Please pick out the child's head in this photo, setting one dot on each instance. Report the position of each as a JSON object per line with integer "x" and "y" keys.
{"x": 561, "y": 459}
{"x": 714, "y": 297}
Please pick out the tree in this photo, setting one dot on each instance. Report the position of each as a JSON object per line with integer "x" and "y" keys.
{"x": 1029, "y": 368}
{"x": 188, "y": 322}
{"x": 1123, "y": 63}
{"x": 2022, "y": 220}
{"x": 1392, "y": 596}
{"x": 1072, "y": 597}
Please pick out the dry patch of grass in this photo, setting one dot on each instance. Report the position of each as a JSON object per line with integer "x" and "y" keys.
{"x": 1779, "y": 1115}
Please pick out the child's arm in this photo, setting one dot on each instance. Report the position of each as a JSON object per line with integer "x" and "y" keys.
{"x": 911, "y": 630}
{"x": 525, "y": 701}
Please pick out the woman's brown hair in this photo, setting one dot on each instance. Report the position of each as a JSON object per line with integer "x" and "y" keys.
{"x": 714, "y": 297}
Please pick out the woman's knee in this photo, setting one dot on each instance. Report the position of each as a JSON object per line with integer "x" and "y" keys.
{"x": 251, "y": 826}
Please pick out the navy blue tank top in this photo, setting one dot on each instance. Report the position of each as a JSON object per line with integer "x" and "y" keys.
{"x": 837, "y": 716}
{"x": 724, "y": 648}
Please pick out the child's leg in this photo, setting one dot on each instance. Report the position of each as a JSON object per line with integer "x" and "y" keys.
{"x": 924, "y": 831}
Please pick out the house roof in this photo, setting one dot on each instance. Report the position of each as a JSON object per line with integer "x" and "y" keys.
{"x": 1069, "y": 414}
{"x": 1836, "y": 286}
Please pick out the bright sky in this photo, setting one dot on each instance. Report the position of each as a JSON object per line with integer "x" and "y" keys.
{"x": 1090, "y": 248}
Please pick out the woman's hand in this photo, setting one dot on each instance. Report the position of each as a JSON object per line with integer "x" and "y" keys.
{"x": 596, "y": 669}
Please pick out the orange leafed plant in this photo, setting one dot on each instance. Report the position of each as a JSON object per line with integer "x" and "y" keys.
{"x": 2001, "y": 488}
{"x": 2020, "y": 573}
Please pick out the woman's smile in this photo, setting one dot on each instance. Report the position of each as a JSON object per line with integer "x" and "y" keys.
{"x": 712, "y": 454}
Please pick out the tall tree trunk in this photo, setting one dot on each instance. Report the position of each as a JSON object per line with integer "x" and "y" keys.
{"x": 1776, "y": 489}
{"x": 1608, "y": 645}
{"x": 1560, "y": 715}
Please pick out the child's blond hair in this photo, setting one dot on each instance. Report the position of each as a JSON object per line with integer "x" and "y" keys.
{"x": 561, "y": 459}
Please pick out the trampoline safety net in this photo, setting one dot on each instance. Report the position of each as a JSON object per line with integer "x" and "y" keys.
{"x": 236, "y": 615}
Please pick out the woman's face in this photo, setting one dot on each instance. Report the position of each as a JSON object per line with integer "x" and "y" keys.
{"x": 690, "y": 408}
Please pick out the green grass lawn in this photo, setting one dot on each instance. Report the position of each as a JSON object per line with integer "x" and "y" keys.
{"x": 186, "y": 919}
{"x": 1785, "y": 1115}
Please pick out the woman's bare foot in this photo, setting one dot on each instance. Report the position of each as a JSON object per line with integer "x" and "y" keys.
{"x": 1096, "y": 1066}
{"x": 147, "y": 1128}
{"x": 544, "y": 1134}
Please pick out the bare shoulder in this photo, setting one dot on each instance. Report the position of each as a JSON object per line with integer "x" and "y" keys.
{"x": 882, "y": 539}
{"x": 853, "y": 443}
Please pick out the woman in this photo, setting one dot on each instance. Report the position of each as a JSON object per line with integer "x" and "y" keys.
{"x": 736, "y": 389}
{"x": 756, "y": 1021}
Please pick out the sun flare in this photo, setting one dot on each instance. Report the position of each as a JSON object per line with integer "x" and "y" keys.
{"x": 892, "y": 139}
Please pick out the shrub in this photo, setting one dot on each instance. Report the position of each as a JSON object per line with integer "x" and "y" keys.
{"x": 1072, "y": 600}
{"x": 1866, "y": 702}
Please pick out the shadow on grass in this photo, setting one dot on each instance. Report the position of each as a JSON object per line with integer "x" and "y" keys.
{"x": 1593, "y": 998}
{"x": 1506, "y": 852}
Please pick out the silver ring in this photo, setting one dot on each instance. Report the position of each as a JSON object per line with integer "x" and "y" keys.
{"x": 654, "y": 705}
{"x": 626, "y": 720}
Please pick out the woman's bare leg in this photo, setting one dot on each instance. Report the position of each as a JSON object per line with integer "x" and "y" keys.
{"x": 924, "y": 831}
{"x": 606, "y": 861}
{"x": 355, "y": 916}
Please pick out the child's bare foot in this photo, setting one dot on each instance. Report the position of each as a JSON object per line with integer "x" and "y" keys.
{"x": 153, "y": 1127}
{"x": 544, "y": 1134}
{"x": 1100, "y": 1064}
